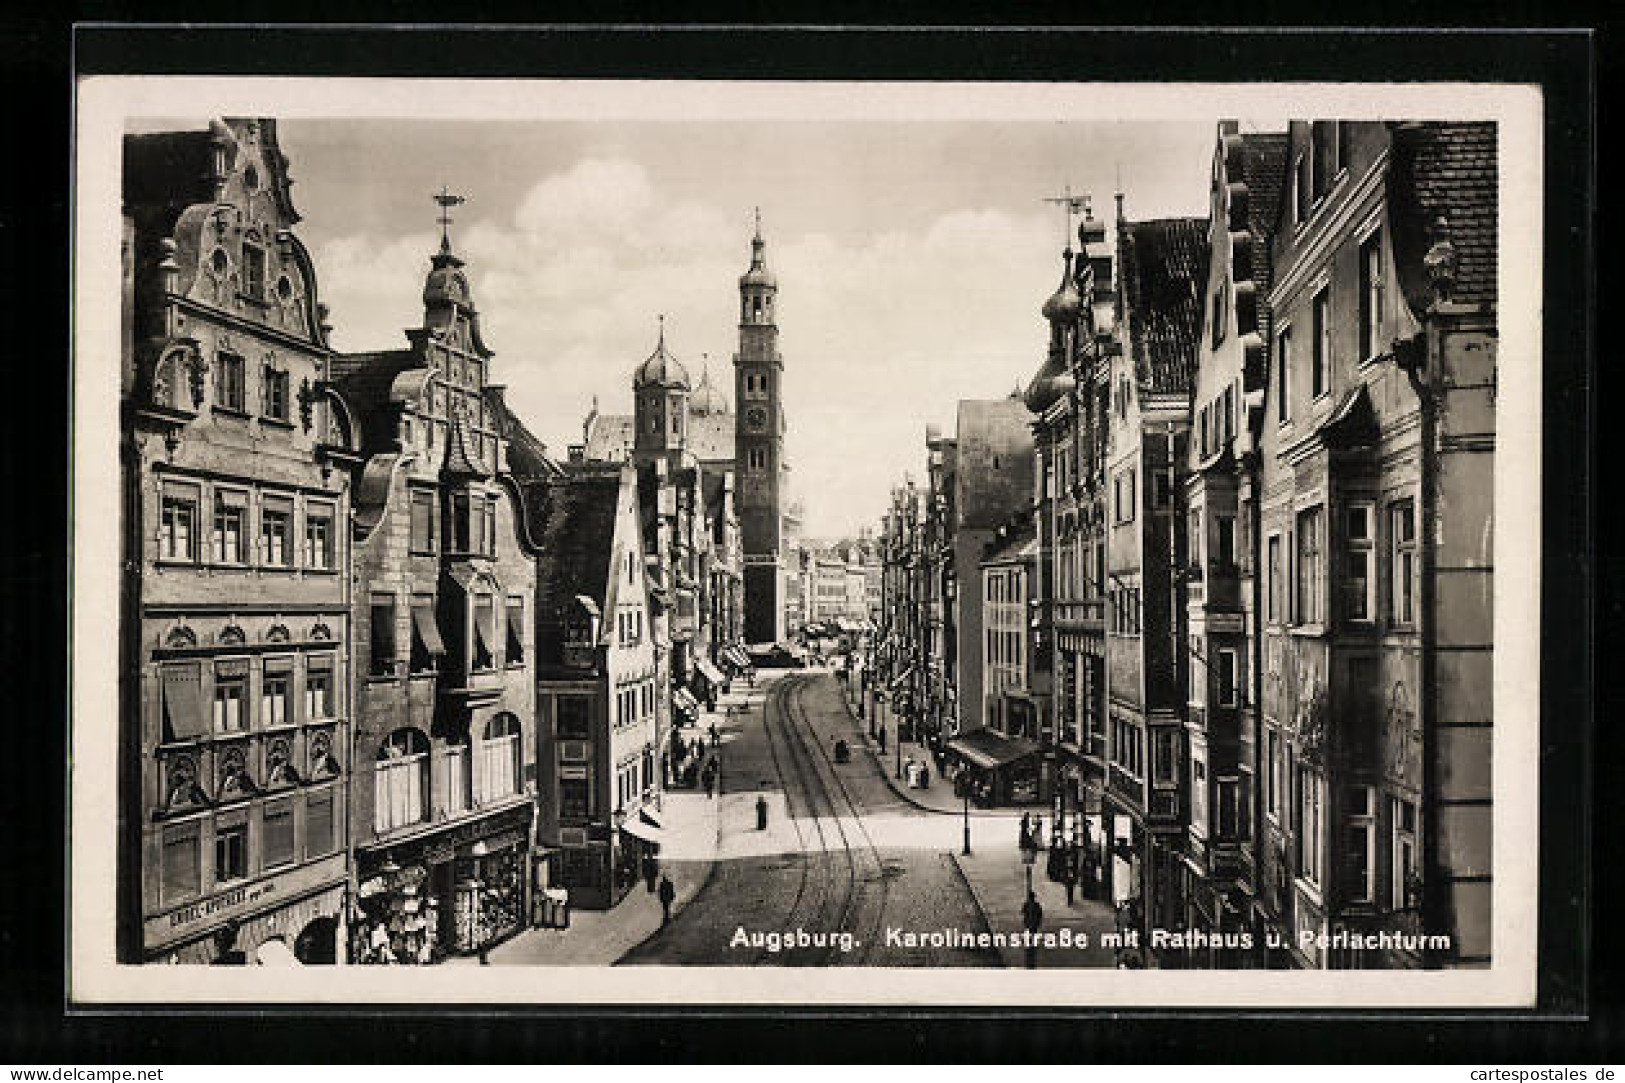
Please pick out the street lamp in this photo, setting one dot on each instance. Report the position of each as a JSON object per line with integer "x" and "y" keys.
{"x": 962, "y": 783}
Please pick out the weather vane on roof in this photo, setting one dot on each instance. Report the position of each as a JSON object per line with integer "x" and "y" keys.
{"x": 447, "y": 201}
{"x": 1070, "y": 205}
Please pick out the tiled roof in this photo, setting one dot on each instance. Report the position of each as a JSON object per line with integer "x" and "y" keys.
{"x": 711, "y": 437}
{"x": 1448, "y": 171}
{"x": 611, "y": 438}
{"x": 1164, "y": 269}
{"x": 365, "y": 379}
{"x": 1264, "y": 157}
{"x": 573, "y": 517}
{"x": 1264, "y": 172}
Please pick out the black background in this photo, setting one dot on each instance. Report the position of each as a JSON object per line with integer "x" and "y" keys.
{"x": 1579, "y": 1018}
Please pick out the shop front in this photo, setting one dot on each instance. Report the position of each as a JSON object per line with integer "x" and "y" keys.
{"x": 1000, "y": 770}
{"x": 455, "y": 891}
{"x": 640, "y": 844}
{"x": 709, "y": 682}
{"x": 301, "y": 910}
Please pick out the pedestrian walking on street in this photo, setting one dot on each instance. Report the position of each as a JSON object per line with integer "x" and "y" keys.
{"x": 668, "y": 895}
{"x": 710, "y": 780}
{"x": 1026, "y": 830}
{"x": 1032, "y": 918}
{"x": 1069, "y": 875}
{"x": 651, "y": 869}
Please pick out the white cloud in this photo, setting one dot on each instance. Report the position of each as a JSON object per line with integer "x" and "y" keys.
{"x": 881, "y": 332}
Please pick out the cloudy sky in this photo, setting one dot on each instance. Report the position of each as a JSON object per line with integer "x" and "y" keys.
{"x": 912, "y": 258}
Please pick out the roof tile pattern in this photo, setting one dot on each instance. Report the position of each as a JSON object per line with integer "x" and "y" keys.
{"x": 1445, "y": 171}
{"x": 573, "y": 516}
{"x": 1164, "y": 269}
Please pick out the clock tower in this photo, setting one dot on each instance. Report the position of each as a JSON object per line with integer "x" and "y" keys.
{"x": 759, "y": 445}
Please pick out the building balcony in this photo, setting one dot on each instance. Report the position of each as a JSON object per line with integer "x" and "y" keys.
{"x": 1127, "y": 787}
{"x": 1088, "y": 615}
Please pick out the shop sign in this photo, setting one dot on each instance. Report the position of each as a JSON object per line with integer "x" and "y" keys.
{"x": 444, "y": 845}
{"x": 235, "y": 902}
{"x": 496, "y": 842}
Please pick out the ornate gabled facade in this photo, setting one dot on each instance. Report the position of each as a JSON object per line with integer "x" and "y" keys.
{"x": 235, "y": 624}
{"x": 444, "y": 579}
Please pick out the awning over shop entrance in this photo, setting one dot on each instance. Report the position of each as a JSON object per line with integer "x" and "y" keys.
{"x": 990, "y": 749}
{"x": 736, "y": 655}
{"x": 640, "y": 827}
{"x": 686, "y": 704}
{"x": 709, "y": 671}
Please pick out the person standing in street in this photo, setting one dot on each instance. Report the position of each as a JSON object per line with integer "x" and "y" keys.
{"x": 668, "y": 895}
{"x": 1032, "y": 918}
{"x": 1069, "y": 874}
{"x": 651, "y": 869}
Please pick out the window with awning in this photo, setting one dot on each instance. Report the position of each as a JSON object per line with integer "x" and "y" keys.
{"x": 184, "y": 718}
{"x": 709, "y": 671}
{"x": 427, "y": 646}
{"x": 516, "y": 631}
{"x": 484, "y": 632}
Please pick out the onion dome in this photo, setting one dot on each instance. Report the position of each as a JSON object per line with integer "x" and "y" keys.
{"x": 1065, "y": 303}
{"x": 661, "y": 369}
{"x": 446, "y": 284}
{"x": 707, "y": 398}
{"x": 1048, "y": 384}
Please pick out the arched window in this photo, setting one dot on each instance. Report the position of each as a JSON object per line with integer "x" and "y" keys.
{"x": 498, "y": 775}
{"x": 400, "y": 779}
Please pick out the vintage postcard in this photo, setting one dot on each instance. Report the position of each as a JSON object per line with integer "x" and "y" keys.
{"x": 799, "y": 543}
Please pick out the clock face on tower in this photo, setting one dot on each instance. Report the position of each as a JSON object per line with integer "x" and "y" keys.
{"x": 756, "y": 418}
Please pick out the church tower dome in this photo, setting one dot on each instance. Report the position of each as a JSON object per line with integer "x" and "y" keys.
{"x": 660, "y": 411}
{"x": 707, "y": 399}
{"x": 1065, "y": 303}
{"x": 1055, "y": 378}
{"x": 661, "y": 369}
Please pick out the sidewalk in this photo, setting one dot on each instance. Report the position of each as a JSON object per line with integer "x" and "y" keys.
{"x": 939, "y": 795}
{"x": 995, "y": 873}
{"x": 996, "y": 876}
{"x": 688, "y": 855}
